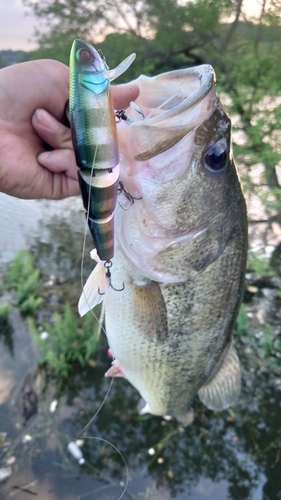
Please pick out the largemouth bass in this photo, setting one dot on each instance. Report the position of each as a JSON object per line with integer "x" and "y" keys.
{"x": 180, "y": 249}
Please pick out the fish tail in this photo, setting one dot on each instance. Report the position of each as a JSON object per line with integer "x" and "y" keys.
{"x": 224, "y": 388}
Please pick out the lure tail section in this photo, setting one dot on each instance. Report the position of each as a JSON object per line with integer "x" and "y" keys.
{"x": 94, "y": 136}
{"x": 99, "y": 193}
{"x": 94, "y": 289}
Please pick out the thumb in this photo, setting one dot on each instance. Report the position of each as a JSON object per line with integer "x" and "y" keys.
{"x": 51, "y": 131}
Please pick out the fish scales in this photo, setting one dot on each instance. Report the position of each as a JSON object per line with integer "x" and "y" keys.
{"x": 139, "y": 315}
{"x": 180, "y": 249}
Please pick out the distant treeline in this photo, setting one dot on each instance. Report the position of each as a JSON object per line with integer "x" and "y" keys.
{"x": 244, "y": 30}
{"x": 10, "y": 57}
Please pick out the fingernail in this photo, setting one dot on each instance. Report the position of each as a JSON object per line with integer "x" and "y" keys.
{"x": 43, "y": 156}
{"x": 42, "y": 116}
{"x": 37, "y": 114}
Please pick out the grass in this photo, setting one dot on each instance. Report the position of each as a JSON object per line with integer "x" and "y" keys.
{"x": 241, "y": 323}
{"x": 71, "y": 341}
{"x": 4, "y": 313}
{"x": 21, "y": 276}
{"x": 266, "y": 342}
{"x": 259, "y": 264}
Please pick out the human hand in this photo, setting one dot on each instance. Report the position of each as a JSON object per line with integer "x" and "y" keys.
{"x": 32, "y": 102}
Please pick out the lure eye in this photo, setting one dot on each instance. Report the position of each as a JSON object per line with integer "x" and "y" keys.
{"x": 84, "y": 55}
{"x": 216, "y": 158}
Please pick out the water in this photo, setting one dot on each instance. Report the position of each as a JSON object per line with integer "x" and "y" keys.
{"x": 234, "y": 454}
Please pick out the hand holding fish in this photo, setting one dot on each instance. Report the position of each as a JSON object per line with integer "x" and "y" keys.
{"x": 36, "y": 152}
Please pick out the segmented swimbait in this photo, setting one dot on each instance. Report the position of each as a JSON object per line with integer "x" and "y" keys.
{"x": 94, "y": 136}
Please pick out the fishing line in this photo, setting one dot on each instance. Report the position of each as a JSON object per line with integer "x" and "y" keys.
{"x": 101, "y": 319}
{"x": 100, "y": 328}
{"x": 122, "y": 457}
{"x": 85, "y": 235}
{"x": 97, "y": 412}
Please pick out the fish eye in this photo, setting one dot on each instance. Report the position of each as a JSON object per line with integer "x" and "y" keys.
{"x": 216, "y": 158}
{"x": 84, "y": 55}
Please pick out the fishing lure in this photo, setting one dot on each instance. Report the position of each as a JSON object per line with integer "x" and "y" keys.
{"x": 94, "y": 135}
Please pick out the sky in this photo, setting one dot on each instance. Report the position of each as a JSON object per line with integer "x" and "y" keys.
{"x": 17, "y": 28}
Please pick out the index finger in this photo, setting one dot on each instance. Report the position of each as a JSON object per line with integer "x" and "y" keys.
{"x": 122, "y": 95}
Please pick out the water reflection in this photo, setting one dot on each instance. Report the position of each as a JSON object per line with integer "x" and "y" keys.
{"x": 232, "y": 454}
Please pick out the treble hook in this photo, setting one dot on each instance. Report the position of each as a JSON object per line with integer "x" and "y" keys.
{"x": 129, "y": 196}
{"x": 108, "y": 265}
{"x": 103, "y": 58}
{"x": 120, "y": 115}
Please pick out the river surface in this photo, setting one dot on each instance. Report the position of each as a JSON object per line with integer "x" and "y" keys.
{"x": 234, "y": 454}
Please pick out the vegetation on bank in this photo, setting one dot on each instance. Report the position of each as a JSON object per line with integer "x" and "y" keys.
{"x": 21, "y": 276}
{"x": 66, "y": 340}
{"x": 258, "y": 321}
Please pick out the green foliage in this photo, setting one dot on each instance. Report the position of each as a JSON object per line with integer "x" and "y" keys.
{"x": 266, "y": 342}
{"x": 71, "y": 341}
{"x": 23, "y": 277}
{"x": 117, "y": 46}
{"x": 4, "y": 313}
{"x": 59, "y": 51}
{"x": 241, "y": 323}
{"x": 204, "y": 16}
{"x": 258, "y": 263}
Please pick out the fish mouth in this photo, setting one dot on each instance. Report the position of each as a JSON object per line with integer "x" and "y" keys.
{"x": 199, "y": 81}
{"x": 172, "y": 105}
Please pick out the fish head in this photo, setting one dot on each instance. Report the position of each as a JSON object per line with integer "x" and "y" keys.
{"x": 89, "y": 66}
{"x": 177, "y": 157}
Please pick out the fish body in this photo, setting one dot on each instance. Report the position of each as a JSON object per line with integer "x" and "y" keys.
{"x": 180, "y": 249}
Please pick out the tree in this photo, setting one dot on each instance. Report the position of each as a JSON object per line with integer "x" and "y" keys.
{"x": 170, "y": 34}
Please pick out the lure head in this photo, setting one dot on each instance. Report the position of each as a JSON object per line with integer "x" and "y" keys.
{"x": 91, "y": 112}
{"x": 88, "y": 66}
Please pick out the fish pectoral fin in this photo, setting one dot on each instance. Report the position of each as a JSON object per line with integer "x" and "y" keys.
{"x": 224, "y": 388}
{"x": 93, "y": 289}
{"x": 143, "y": 407}
{"x": 144, "y": 410}
{"x": 186, "y": 418}
{"x": 115, "y": 370}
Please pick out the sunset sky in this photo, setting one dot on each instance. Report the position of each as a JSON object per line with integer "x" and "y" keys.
{"x": 16, "y": 28}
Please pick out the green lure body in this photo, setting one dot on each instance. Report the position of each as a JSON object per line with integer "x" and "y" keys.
{"x": 94, "y": 136}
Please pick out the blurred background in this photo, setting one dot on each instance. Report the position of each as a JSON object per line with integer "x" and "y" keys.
{"x": 52, "y": 362}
